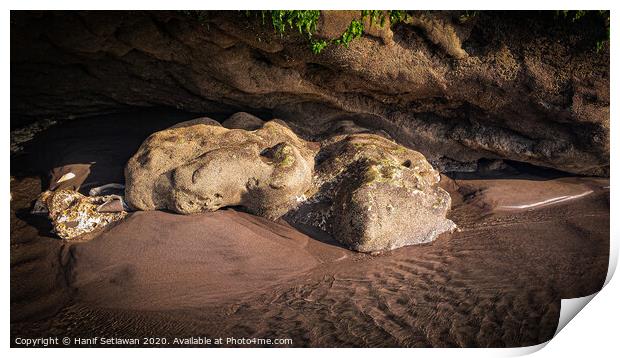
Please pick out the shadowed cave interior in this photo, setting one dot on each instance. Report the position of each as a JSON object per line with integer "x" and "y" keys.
{"x": 522, "y": 149}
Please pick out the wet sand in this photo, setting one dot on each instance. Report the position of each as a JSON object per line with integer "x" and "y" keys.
{"x": 525, "y": 242}
{"x": 157, "y": 260}
{"x": 495, "y": 283}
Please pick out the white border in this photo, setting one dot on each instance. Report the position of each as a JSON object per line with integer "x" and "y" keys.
{"x": 594, "y": 330}
{"x": 310, "y": 5}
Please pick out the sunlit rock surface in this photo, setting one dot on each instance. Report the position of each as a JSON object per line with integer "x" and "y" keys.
{"x": 368, "y": 192}
{"x": 375, "y": 195}
{"x": 73, "y": 214}
{"x": 522, "y": 86}
{"x": 199, "y": 166}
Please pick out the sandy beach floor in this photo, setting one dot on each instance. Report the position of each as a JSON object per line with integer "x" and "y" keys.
{"x": 524, "y": 243}
{"x": 495, "y": 283}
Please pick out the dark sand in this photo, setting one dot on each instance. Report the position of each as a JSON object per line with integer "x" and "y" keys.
{"x": 157, "y": 260}
{"x": 497, "y": 282}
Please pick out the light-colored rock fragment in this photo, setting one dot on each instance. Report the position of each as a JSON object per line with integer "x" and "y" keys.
{"x": 73, "y": 214}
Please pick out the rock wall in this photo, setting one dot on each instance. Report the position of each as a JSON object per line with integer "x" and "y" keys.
{"x": 522, "y": 86}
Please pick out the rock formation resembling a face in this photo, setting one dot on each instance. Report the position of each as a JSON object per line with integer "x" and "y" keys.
{"x": 201, "y": 166}
{"x": 368, "y": 192}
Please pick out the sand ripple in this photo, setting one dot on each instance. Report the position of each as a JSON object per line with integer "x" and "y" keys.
{"x": 497, "y": 282}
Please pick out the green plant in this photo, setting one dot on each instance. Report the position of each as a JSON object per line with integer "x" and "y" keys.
{"x": 305, "y": 22}
{"x": 397, "y": 16}
{"x": 599, "y": 16}
{"x": 376, "y": 16}
{"x": 573, "y": 15}
{"x": 355, "y": 30}
{"x": 467, "y": 15}
{"x": 318, "y": 45}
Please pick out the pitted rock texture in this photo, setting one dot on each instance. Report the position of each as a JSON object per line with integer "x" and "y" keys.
{"x": 198, "y": 166}
{"x": 73, "y": 214}
{"x": 374, "y": 195}
{"x": 368, "y": 192}
{"x": 519, "y": 85}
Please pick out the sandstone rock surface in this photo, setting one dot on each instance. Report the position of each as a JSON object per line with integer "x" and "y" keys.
{"x": 199, "y": 166}
{"x": 368, "y": 192}
{"x": 243, "y": 120}
{"x": 522, "y": 86}
{"x": 374, "y": 195}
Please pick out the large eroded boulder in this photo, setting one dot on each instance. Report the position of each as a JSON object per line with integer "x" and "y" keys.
{"x": 368, "y": 192}
{"x": 375, "y": 195}
{"x": 199, "y": 165}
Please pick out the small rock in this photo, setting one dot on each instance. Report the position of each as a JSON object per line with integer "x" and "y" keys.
{"x": 73, "y": 214}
